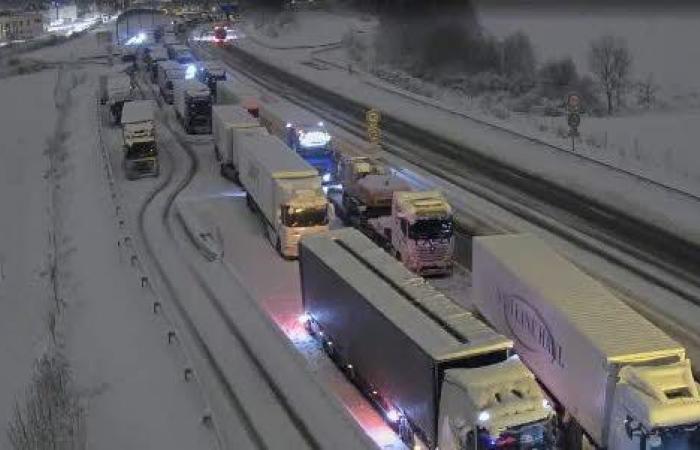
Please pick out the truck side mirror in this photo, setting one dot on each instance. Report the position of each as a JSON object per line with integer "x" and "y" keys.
{"x": 404, "y": 226}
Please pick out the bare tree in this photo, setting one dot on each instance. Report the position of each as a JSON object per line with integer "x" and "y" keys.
{"x": 646, "y": 91}
{"x": 51, "y": 417}
{"x": 611, "y": 62}
{"x": 518, "y": 55}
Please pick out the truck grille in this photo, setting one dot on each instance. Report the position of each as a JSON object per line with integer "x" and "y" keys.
{"x": 428, "y": 252}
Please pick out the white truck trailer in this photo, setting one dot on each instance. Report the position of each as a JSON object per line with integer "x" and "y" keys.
{"x": 192, "y": 101}
{"x": 119, "y": 90}
{"x": 140, "y": 149}
{"x": 627, "y": 383}
{"x": 432, "y": 369}
{"x": 168, "y": 72}
{"x": 283, "y": 189}
{"x": 210, "y": 73}
{"x": 236, "y": 93}
{"x": 157, "y": 54}
{"x": 227, "y": 121}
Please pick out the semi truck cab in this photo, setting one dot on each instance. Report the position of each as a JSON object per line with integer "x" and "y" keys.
{"x": 303, "y": 132}
{"x": 500, "y": 406}
{"x": 210, "y": 73}
{"x": 313, "y": 143}
{"x": 306, "y": 212}
{"x": 140, "y": 149}
{"x": 656, "y": 408}
{"x": 420, "y": 230}
{"x": 193, "y": 106}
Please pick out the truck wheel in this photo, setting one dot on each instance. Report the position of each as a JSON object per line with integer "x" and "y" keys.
{"x": 397, "y": 255}
{"x": 217, "y": 153}
{"x": 278, "y": 247}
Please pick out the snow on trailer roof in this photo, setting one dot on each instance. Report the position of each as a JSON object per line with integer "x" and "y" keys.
{"x": 120, "y": 81}
{"x": 278, "y": 159}
{"x": 169, "y": 64}
{"x": 289, "y": 112}
{"x": 212, "y": 65}
{"x": 159, "y": 53}
{"x": 452, "y": 316}
{"x": 233, "y": 114}
{"x": 137, "y": 111}
{"x": 441, "y": 328}
{"x": 192, "y": 87}
{"x": 614, "y": 328}
{"x": 237, "y": 87}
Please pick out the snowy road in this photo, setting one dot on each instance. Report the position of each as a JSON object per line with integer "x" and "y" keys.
{"x": 259, "y": 389}
{"x": 652, "y": 269}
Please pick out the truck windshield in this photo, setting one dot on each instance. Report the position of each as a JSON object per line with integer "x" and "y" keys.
{"x": 200, "y": 107}
{"x": 304, "y": 217}
{"x": 677, "y": 438}
{"x": 312, "y": 141}
{"x": 532, "y": 436}
{"x": 141, "y": 150}
{"x": 431, "y": 229}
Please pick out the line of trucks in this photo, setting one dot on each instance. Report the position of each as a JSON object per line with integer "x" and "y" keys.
{"x": 557, "y": 357}
{"x": 549, "y": 355}
{"x": 416, "y": 227}
{"x": 136, "y": 119}
{"x": 565, "y": 358}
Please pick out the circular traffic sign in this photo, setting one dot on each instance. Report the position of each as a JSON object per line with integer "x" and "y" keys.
{"x": 574, "y": 120}
{"x": 573, "y": 102}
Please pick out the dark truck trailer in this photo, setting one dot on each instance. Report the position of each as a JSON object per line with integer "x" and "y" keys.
{"x": 429, "y": 366}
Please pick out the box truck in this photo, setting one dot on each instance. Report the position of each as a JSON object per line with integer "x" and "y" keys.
{"x": 140, "y": 150}
{"x": 302, "y": 131}
{"x": 234, "y": 92}
{"x": 192, "y": 101}
{"x": 180, "y": 53}
{"x": 625, "y": 382}
{"x": 168, "y": 72}
{"x": 434, "y": 371}
{"x": 282, "y": 189}
{"x": 227, "y": 122}
{"x": 119, "y": 90}
{"x": 211, "y": 72}
{"x": 156, "y": 55}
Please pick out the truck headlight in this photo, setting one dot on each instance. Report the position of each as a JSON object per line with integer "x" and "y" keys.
{"x": 326, "y": 177}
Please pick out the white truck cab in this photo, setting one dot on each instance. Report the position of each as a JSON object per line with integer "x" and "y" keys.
{"x": 420, "y": 231}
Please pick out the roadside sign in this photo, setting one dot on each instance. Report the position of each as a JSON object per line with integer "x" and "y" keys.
{"x": 574, "y": 120}
{"x": 373, "y": 116}
{"x": 573, "y": 102}
{"x": 372, "y": 119}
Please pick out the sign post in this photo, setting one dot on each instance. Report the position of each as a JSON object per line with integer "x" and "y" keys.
{"x": 573, "y": 107}
{"x": 372, "y": 119}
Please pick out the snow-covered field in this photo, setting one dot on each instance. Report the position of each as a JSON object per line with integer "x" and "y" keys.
{"x": 25, "y": 298}
{"x": 310, "y": 29}
{"x": 646, "y": 201}
{"x": 129, "y": 379}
